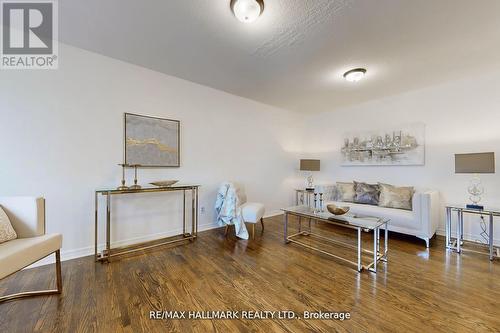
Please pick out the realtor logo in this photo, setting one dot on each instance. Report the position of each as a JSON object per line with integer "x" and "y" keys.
{"x": 29, "y": 34}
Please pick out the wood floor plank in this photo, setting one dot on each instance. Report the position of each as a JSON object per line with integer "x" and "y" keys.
{"x": 418, "y": 290}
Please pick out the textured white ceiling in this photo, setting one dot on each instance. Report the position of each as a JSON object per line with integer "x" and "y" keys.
{"x": 295, "y": 54}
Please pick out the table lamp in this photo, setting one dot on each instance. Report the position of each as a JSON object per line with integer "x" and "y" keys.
{"x": 475, "y": 163}
{"x": 310, "y": 165}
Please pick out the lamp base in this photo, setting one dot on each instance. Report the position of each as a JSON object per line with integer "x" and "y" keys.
{"x": 476, "y": 207}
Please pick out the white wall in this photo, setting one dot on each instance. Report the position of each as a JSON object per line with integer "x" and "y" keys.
{"x": 62, "y": 132}
{"x": 460, "y": 117}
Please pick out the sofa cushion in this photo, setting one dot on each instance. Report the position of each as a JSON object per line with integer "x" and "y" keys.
{"x": 7, "y": 232}
{"x": 366, "y": 193}
{"x": 252, "y": 212}
{"x": 345, "y": 192}
{"x": 398, "y": 217}
{"x": 396, "y": 197}
{"x": 19, "y": 253}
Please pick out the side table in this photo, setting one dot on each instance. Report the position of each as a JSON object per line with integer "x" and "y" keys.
{"x": 304, "y": 197}
{"x": 456, "y": 244}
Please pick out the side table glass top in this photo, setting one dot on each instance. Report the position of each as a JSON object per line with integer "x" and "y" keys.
{"x": 363, "y": 221}
{"x": 486, "y": 211}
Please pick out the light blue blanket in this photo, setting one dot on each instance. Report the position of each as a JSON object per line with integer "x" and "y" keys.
{"x": 228, "y": 209}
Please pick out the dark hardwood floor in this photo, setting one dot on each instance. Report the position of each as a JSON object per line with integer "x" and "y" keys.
{"x": 419, "y": 290}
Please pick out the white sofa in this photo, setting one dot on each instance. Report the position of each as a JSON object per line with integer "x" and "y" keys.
{"x": 421, "y": 222}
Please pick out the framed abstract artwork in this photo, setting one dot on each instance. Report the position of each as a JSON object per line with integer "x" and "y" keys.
{"x": 402, "y": 145}
{"x": 151, "y": 141}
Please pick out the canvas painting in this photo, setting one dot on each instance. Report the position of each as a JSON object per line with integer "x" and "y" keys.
{"x": 151, "y": 142}
{"x": 403, "y": 145}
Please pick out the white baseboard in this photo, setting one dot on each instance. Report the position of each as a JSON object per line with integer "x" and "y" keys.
{"x": 273, "y": 213}
{"x": 89, "y": 250}
{"x": 468, "y": 237}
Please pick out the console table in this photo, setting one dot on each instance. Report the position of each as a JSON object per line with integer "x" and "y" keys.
{"x": 457, "y": 243}
{"x": 109, "y": 252}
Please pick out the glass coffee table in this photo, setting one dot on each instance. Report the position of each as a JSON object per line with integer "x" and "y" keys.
{"x": 360, "y": 223}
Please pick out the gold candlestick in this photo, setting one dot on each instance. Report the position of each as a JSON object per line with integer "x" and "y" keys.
{"x": 123, "y": 187}
{"x": 135, "y": 186}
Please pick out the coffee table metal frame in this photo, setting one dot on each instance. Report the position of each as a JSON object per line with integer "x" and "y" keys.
{"x": 308, "y": 213}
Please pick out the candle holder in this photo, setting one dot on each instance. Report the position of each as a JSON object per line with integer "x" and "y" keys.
{"x": 315, "y": 203}
{"x": 135, "y": 186}
{"x": 123, "y": 187}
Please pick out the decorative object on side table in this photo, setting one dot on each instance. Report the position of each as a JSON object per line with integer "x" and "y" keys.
{"x": 164, "y": 183}
{"x": 309, "y": 165}
{"x": 135, "y": 186}
{"x": 151, "y": 141}
{"x": 123, "y": 187}
{"x": 475, "y": 163}
{"x": 337, "y": 210}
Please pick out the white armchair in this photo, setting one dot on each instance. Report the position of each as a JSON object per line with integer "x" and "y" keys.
{"x": 252, "y": 212}
{"x": 27, "y": 216}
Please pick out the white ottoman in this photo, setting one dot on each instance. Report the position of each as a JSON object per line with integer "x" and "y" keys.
{"x": 253, "y": 212}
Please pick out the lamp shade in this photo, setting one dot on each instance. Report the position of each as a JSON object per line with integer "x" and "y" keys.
{"x": 475, "y": 163}
{"x": 309, "y": 165}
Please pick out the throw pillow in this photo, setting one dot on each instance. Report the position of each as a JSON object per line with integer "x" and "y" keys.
{"x": 345, "y": 192}
{"x": 366, "y": 193}
{"x": 330, "y": 193}
{"x": 7, "y": 233}
{"x": 396, "y": 197}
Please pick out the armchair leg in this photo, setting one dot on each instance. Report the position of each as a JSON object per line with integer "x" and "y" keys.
{"x": 58, "y": 272}
{"x": 253, "y": 230}
{"x": 262, "y": 222}
{"x": 40, "y": 292}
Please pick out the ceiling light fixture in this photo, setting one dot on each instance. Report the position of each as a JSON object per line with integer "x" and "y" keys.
{"x": 354, "y": 75}
{"x": 247, "y": 11}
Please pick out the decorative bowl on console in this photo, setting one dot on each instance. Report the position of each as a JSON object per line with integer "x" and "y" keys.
{"x": 337, "y": 210}
{"x": 164, "y": 183}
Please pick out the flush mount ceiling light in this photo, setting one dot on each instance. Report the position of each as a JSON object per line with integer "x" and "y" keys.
{"x": 354, "y": 75}
{"x": 247, "y": 11}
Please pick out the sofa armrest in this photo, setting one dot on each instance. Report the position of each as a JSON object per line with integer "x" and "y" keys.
{"x": 429, "y": 212}
{"x": 27, "y": 215}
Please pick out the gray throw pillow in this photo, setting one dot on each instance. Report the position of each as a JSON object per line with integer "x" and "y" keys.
{"x": 366, "y": 193}
{"x": 345, "y": 192}
{"x": 396, "y": 197}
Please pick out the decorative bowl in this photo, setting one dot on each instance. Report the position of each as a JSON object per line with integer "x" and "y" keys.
{"x": 164, "y": 183}
{"x": 337, "y": 210}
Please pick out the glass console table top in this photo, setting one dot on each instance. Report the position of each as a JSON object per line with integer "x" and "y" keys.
{"x": 362, "y": 221}
{"x": 151, "y": 188}
{"x": 486, "y": 211}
